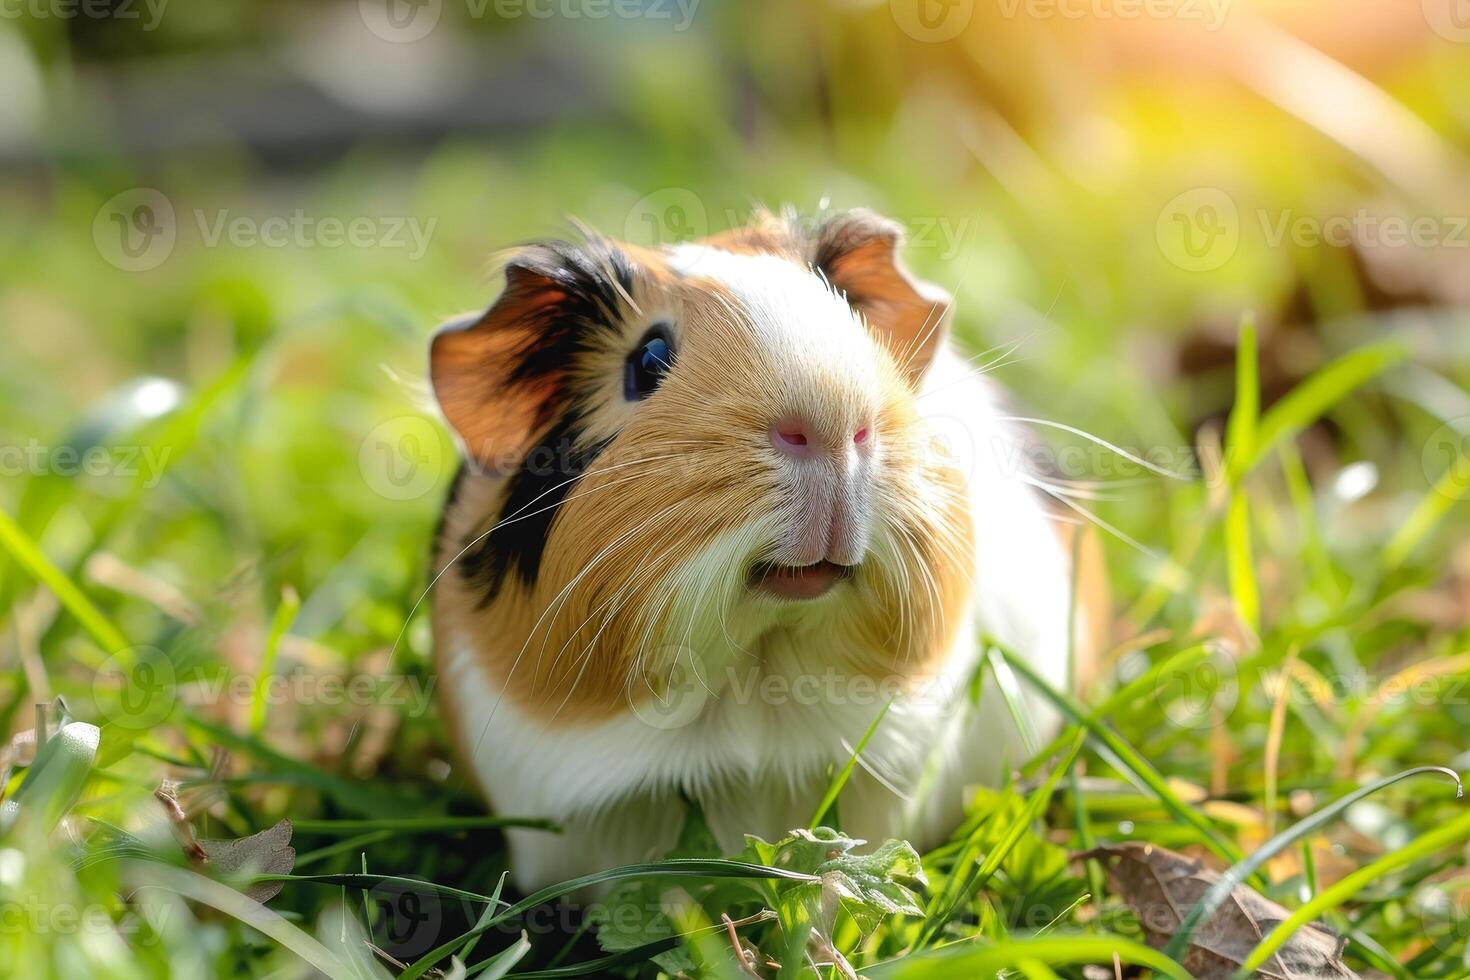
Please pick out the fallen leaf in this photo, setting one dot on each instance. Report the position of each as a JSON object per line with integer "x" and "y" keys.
{"x": 1162, "y": 887}
{"x": 268, "y": 852}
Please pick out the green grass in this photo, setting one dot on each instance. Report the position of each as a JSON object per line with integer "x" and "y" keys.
{"x": 242, "y": 615}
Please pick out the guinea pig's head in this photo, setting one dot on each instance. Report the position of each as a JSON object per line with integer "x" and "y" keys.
{"x": 690, "y": 451}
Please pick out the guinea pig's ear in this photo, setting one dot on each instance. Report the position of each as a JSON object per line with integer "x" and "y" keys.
{"x": 858, "y": 253}
{"x": 492, "y": 386}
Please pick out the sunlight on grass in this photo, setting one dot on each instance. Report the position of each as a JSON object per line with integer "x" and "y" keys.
{"x": 1175, "y": 244}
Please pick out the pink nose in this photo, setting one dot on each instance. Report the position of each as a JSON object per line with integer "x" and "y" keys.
{"x": 794, "y": 436}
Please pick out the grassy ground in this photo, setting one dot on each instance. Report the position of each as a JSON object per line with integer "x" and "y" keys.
{"x": 214, "y": 540}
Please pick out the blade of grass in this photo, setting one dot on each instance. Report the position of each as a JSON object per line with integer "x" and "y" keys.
{"x": 981, "y": 961}
{"x": 1010, "y": 692}
{"x": 1310, "y": 400}
{"x": 54, "y": 780}
{"x": 421, "y": 825}
{"x": 237, "y": 905}
{"x": 30, "y": 557}
{"x": 604, "y": 966}
{"x": 1448, "y": 491}
{"x": 1179, "y": 663}
{"x": 1232, "y": 878}
{"x": 683, "y": 867}
{"x": 934, "y": 759}
{"x": 978, "y": 876}
{"x": 1128, "y": 756}
{"x": 1085, "y": 838}
{"x": 1240, "y": 429}
{"x": 1275, "y": 731}
{"x": 1455, "y": 832}
{"x": 1240, "y": 447}
{"x": 343, "y": 847}
{"x": 473, "y": 941}
{"x": 830, "y": 797}
{"x": 281, "y": 621}
{"x": 367, "y": 882}
{"x": 1240, "y": 561}
{"x": 500, "y": 964}
{"x": 178, "y": 434}
{"x": 356, "y": 795}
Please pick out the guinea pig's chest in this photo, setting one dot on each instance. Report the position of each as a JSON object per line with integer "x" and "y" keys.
{"x": 778, "y": 716}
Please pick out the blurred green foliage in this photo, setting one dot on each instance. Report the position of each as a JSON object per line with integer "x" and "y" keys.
{"x": 1106, "y": 196}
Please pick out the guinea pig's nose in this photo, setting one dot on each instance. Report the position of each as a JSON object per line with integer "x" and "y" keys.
{"x": 795, "y": 436}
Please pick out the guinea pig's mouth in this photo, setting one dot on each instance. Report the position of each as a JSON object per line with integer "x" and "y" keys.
{"x": 798, "y": 581}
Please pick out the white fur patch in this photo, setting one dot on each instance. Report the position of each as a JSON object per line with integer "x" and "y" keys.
{"x": 806, "y": 327}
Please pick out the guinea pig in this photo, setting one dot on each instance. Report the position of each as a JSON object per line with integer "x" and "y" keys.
{"x": 722, "y": 502}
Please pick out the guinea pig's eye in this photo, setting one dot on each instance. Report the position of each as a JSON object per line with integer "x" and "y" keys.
{"x": 647, "y": 365}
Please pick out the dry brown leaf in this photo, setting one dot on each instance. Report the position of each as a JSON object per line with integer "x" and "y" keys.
{"x": 268, "y": 852}
{"x": 1162, "y": 887}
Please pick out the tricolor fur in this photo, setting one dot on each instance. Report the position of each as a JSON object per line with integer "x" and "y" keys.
{"x": 602, "y": 652}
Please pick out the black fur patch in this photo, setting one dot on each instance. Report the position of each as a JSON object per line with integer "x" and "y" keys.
{"x": 533, "y": 499}
{"x": 593, "y": 277}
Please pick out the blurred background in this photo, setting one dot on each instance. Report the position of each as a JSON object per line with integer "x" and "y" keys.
{"x": 247, "y": 217}
{"x": 228, "y": 228}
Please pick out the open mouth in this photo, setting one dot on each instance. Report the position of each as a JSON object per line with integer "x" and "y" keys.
{"x": 798, "y": 581}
